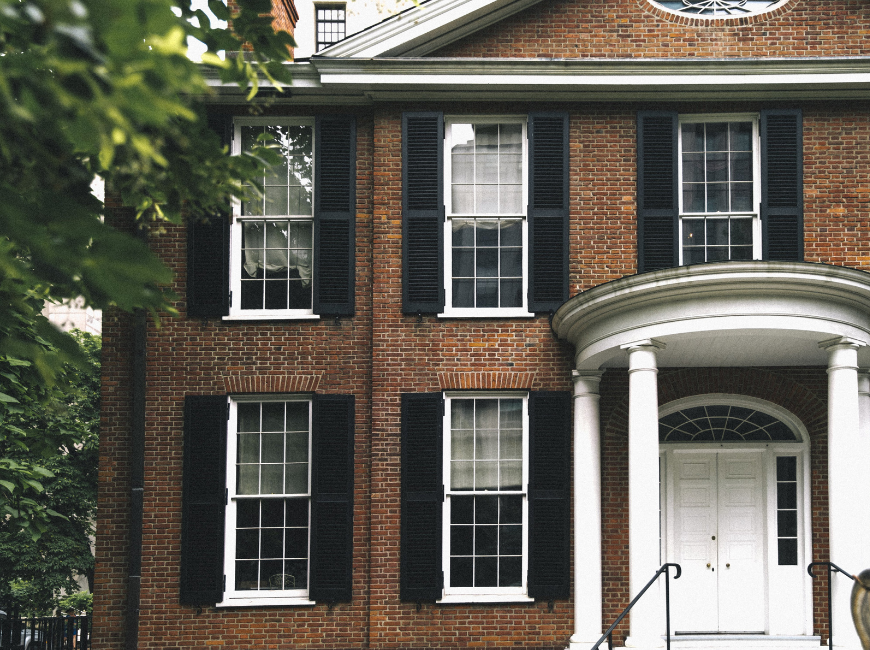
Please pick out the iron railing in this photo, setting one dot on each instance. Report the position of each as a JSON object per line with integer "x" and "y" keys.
{"x": 832, "y": 568}
{"x": 664, "y": 569}
{"x": 43, "y": 632}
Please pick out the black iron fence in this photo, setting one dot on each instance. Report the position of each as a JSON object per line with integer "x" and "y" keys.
{"x": 43, "y": 632}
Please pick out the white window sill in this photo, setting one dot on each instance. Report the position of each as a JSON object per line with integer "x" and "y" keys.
{"x": 486, "y": 313}
{"x": 483, "y": 598}
{"x": 265, "y": 602}
{"x": 277, "y": 315}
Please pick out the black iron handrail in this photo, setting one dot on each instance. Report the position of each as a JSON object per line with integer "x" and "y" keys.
{"x": 831, "y": 569}
{"x": 664, "y": 569}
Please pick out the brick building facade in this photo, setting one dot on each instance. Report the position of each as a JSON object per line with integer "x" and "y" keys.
{"x": 547, "y": 294}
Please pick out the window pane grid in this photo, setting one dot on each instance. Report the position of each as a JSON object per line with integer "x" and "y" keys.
{"x": 486, "y": 168}
{"x": 786, "y": 510}
{"x": 718, "y": 191}
{"x": 276, "y": 264}
{"x": 487, "y": 262}
{"x": 486, "y": 444}
{"x": 486, "y": 541}
{"x": 330, "y": 26}
{"x": 272, "y": 496}
{"x": 287, "y": 185}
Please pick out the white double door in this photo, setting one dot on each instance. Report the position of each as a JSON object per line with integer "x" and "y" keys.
{"x": 715, "y": 531}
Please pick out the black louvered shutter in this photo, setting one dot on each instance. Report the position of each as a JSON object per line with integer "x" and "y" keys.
{"x": 422, "y": 212}
{"x": 549, "y": 494}
{"x": 657, "y": 203}
{"x": 332, "y": 498}
{"x": 203, "y": 499}
{"x": 208, "y": 248}
{"x": 334, "y": 215}
{"x": 548, "y": 210}
{"x": 422, "y": 496}
{"x": 782, "y": 222}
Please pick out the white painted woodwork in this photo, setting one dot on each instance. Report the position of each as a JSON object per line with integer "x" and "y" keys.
{"x": 718, "y": 516}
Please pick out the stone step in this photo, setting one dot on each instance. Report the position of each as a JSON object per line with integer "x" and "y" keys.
{"x": 741, "y": 642}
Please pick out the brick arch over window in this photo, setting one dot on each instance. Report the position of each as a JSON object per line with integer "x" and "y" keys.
{"x": 802, "y": 391}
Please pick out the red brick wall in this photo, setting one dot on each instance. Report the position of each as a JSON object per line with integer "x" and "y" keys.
{"x": 380, "y": 353}
{"x": 633, "y": 28}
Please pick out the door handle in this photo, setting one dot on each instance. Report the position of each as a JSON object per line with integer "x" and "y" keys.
{"x": 708, "y": 565}
{"x": 728, "y": 566}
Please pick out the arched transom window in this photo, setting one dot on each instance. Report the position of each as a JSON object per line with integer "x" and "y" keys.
{"x": 720, "y": 8}
{"x": 723, "y": 423}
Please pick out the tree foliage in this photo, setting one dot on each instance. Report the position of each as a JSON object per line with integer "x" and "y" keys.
{"x": 105, "y": 88}
{"x": 41, "y": 556}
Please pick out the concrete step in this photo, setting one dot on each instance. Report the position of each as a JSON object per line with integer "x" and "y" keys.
{"x": 743, "y": 642}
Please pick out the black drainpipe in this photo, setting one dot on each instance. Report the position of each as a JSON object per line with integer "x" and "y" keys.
{"x": 137, "y": 483}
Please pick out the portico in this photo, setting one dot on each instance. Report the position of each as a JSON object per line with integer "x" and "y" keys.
{"x": 736, "y": 314}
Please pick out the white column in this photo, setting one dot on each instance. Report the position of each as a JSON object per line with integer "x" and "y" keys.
{"x": 847, "y": 482}
{"x": 647, "y": 616}
{"x": 587, "y": 511}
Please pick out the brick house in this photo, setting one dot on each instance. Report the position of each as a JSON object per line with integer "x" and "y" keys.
{"x": 547, "y": 294}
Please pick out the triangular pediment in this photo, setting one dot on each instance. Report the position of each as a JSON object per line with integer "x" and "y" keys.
{"x": 425, "y": 28}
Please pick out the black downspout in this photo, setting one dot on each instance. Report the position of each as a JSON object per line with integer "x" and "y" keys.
{"x": 137, "y": 482}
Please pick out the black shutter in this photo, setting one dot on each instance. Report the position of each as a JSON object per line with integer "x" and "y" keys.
{"x": 548, "y": 211}
{"x": 422, "y": 212}
{"x": 203, "y": 499}
{"x": 422, "y": 497}
{"x": 549, "y": 494}
{"x": 208, "y": 248}
{"x": 334, "y": 215}
{"x": 332, "y": 498}
{"x": 782, "y": 220}
{"x": 657, "y": 204}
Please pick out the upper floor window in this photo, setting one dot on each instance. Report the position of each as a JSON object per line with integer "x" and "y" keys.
{"x": 720, "y": 194}
{"x": 719, "y": 8}
{"x": 720, "y": 187}
{"x": 486, "y": 229}
{"x": 331, "y": 28}
{"x": 271, "y": 258}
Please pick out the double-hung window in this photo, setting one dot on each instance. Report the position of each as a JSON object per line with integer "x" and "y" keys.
{"x": 330, "y": 21}
{"x": 486, "y": 509}
{"x": 486, "y": 234}
{"x": 485, "y": 207}
{"x": 485, "y": 496}
{"x": 272, "y": 256}
{"x": 290, "y": 253}
{"x": 268, "y": 500}
{"x": 719, "y": 189}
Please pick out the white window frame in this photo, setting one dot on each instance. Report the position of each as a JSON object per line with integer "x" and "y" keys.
{"x": 233, "y": 597}
{"x": 721, "y": 14}
{"x": 236, "y": 311}
{"x": 756, "y": 176}
{"x": 484, "y": 594}
{"x": 482, "y": 312}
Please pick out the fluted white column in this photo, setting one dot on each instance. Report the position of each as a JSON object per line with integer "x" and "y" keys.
{"x": 847, "y": 481}
{"x": 587, "y": 511}
{"x": 647, "y": 616}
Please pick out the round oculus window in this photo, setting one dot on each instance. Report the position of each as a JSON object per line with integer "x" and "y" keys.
{"x": 719, "y": 8}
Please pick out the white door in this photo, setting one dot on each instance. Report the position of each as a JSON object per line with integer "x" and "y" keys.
{"x": 718, "y": 529}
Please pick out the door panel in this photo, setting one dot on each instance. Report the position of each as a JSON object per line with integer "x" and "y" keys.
{"x": 718, "y": 527}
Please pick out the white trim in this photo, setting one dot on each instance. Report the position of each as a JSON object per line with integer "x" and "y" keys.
{"x": 237, "y": 598}
{"x": 236, "y": 311}
{"x": 484, "y": 594}
{"x": 755, "y": 214}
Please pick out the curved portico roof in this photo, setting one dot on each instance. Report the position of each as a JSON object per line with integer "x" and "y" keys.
{"x": 721, "y": 314}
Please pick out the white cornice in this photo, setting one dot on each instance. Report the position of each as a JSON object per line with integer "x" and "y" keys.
{"x": 361, "y": 81}
{"x": 424, "y": 28}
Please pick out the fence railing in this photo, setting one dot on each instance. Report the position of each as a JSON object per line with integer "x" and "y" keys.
{"x": 43, "y": 632}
